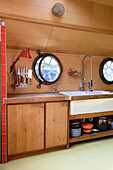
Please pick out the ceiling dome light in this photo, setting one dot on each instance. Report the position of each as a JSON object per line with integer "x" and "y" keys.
{"x": 58, "y": 9}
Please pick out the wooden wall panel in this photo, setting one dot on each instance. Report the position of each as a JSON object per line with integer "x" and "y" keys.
{"x": 26, "y": 28}
{"x": 102, "y": 11}
{"x": 81, "y": 13}
{"x": 51, "y": 38}
{"x": 20, "y": 41}
{"x": 21, "y": 34}
{"x": 77, "y": 35}
{"x": 68, "y": 61}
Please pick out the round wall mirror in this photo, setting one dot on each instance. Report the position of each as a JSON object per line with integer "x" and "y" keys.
{"x": 106, "y": 70}
{"x": 47, "y": 68}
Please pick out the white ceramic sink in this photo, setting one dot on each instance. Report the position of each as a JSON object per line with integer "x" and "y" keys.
{"x": 84, "y": 93}
{"x": 90, "y": 105}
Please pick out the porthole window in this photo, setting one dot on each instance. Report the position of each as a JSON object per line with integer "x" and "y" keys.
{"x": 47, "y": 68}
{"x": 106, "y": 70}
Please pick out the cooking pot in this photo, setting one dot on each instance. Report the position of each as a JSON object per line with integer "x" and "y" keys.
{"x": 101, "y": 123}
{"x": 111, "y": 123}
{"x": 76, "y": 132}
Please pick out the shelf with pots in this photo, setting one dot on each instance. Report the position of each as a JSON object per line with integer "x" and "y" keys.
{"x": 90, "y": 128}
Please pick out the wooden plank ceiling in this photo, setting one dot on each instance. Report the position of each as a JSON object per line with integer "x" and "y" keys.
{"x": 104, "y": 2}
{"x": 56, "y": 39}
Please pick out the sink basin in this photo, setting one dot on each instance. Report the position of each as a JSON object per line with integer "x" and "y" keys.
{"x": 89, "y": 106}
{"x": 83, "y": 93}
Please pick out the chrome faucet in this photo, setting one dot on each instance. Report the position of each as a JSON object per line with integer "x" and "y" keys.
{"x": 82, "y": 79}
{"x": 55, "y": 88}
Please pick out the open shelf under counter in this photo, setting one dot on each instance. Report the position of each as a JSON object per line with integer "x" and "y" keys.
{"x": 93, "y": 135}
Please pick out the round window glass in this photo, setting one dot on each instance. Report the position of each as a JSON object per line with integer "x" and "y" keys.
{"x": 47, "y": 68}
{"x": 37, "y": 69}
{"x": 106, "y": 70}
{"x": 50, "y": 69}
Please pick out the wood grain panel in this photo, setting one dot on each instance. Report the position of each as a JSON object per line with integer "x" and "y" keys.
{"x": 81, "y": 37}
{"x": 73, "y": 6}
{"x": 23, "y": 155}
{"x": 80, "y": 47}
{"x": 68, "y": 61}
{"x": 81, "y": 13}
{"x": 47, "y": 37}
{"x": 102, "y": 11}
{"x": 25, "y": 128}
{"x": 26, "y": 28}
{"x": 18, "y": 8}
{"x": 56, "y": 124}
{"x": 104, "y": 2}
{"x": 35, "y": 98}
{"x": 21, "y": 41}
{"x": 44, "y": 12}
{"x": 43, "y": 3}
{"x": 22, "y": 34}
{"x": 37, "y": 36}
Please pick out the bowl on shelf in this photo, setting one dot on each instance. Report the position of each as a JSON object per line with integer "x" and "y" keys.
{"x": 87, "y": 127}
{"x": 75, "y": 124}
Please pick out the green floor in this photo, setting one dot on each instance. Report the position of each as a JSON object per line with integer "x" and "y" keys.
{"x": 91, "y": 155}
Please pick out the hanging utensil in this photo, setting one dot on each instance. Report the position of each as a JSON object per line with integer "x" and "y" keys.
{"x": 18, "y": 75}
{"x": 30, "y": 75}
{"x": 23, "y": 75}
{"x": 26, "y": 75}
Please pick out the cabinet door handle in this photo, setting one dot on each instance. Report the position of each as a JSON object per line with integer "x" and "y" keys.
{"x": 65, "y": 104}
{"x": 41, "y": 106}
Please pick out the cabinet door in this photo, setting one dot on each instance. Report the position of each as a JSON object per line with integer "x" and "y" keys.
{"x": 25, "y": 128}
{"x": 56, "y": 124}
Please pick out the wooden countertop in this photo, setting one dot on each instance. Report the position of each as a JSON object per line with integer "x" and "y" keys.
{"x": 49, "y": 97}
{"x": 35, "y": 98}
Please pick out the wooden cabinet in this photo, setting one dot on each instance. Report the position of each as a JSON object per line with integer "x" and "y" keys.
{"x": 33, "y": 128}
{"x": 25, "y": 128}
{"x": 56, "y": 124}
